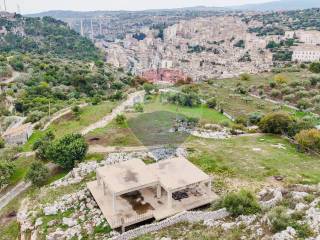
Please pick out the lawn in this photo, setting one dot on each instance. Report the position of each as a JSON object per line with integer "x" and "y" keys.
{"x": 254, "y": 157}
{"x": 203, "y": 113}
{"x": 70, "y": 124}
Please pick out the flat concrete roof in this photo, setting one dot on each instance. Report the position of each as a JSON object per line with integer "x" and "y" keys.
{"x": 177, "y": 173}
{"x": 127, "y": 176}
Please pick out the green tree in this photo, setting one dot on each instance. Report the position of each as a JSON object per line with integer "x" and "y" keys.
{"x": 315, "y": 67}
{"x": 148, "y": 87}
{"x": 6, "y": 171}
{"x": 120, "y": 119}
{"x": 212, "y": 103}
{"x": 2, "y": 143}
{"x": 41, "y": 145}
{"x": 68, "y": 150}
{"x": 38, "y": 174}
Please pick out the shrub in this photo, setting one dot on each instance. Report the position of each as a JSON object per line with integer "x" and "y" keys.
{"x": 309, "y": 139}
{"x": 315, "y": 67}
{"x": 272, "y": 84}
{"x": 287, "y": 90}
{"x": 35, "y": 116}
{"x": 279, "y": 219}
{"x": 281, "y": 79}
{"x": 314, "y": 81}
{"x": 138, "y": 107}
{"x": 148, "y": 87}
{"x": 68, "y": 150}
{"x": 275, "y": 93}
{"x": 243, "y": 120}
{"x": 212, "y": 103}
{"x": 120, "y": 119}
{"x": 2, "y": 143}
{"x": 254, "y": 118}
{"x": 276, "y": 122}
{"x": 6, "y": 171}
{"x": 289, "y": 97}
{"x": 299, "y": 125}
{"x": 304, "y": 103}
{"x": 41, "y": 145}
{"x": 245, "y": 77}
{"x": 241, "y": 203}
{"x": 38, "y": 174}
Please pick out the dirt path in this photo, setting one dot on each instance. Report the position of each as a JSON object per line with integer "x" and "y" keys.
{"x": 14, "y": 192}
{"x": 60, "y": 114}
{"x": 132, "y": 99}
{"x": 15, "y": 75}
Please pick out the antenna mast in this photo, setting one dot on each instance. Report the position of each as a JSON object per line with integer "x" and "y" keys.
{"x": 5, "y": 5}
{"x": 18, "y": 9}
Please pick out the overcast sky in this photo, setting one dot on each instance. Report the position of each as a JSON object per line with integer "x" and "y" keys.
{"x": 33, "y": 6}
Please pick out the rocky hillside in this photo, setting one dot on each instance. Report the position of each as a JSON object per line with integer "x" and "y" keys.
{"x": 43, "y": 35}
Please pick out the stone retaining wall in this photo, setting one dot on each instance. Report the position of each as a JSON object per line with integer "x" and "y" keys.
{"x": 192, "y": 216}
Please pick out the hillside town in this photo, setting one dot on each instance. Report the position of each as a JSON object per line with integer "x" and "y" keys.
{"x": 193, "y": 123}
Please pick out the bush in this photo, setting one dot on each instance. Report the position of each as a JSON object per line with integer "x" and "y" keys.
{"x": 138, "y": 107}
{"x": 255, "y": 118}
{"x": 41, "y": 145}
{"x": 35, "y": 116}
{"x": 309, "y": 139}
{"x": 279, "y": 219}
{"x": 120, "y": 119}
{"x": 38, "y": 174}
{"x": 281, "y": 79}
{"x": 275, "y": 93}
{"x": 148, "y": 87}
{"x": 272, "y": 84}
{"x": 315, "y": 67}
{"x": 212, "y": 103}
{"x": 68, "y": 150}
{"x": 304, "y": 103}
{"x": 241, "y": 203}
{"x": 245, "y": 77}
{"x": 276, "y": 123}
{"x": 2, "y": 143}
{"x": 6, "y": 171}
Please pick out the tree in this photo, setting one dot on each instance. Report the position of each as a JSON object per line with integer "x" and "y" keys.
{"x": 6, "y": 171}
{"x": 2, "y": 143}
{"x": 120, "y": 119}
{"x": 148, "y": 87}
{"x": 212, "y": 103}
{"x": 276, "y": 123}
{"x": 38, "y": 174}
{"x": 315, "y": 67}
{"x": 41, "y": 145}
{"x": 309, "y": 139}
{"x": 68, "y": 150}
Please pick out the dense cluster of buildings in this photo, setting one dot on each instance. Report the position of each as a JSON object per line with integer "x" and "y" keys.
{"x": 309, "y": 48}
{"x": 200, "y": 48}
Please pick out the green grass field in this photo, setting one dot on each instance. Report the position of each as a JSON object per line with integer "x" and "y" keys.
{"x": 70, "y": 124}
{"x": 255, "y": 157}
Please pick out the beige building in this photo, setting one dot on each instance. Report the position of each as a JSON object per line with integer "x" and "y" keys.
{"x": 306, "y": 53}
{"x": 131, "y": 192}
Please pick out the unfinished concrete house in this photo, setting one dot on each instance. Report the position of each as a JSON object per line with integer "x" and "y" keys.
{"x": 131, "y": 192}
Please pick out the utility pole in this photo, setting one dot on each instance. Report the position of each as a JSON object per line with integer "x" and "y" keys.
{"x": 49, "y": 108}
{"x": 91, "y": 30}
{"x": 5, "y": 5}
{"x": 100, "y": 26}
{"x": 81, "y": 28}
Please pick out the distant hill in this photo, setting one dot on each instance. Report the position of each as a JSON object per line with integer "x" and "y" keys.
{"x": 43, "y": 36}
{"x": 280, "y": 5}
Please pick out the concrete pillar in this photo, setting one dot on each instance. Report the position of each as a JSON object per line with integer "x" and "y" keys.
{"x": 209, "y": 186}
{"x": 158, "y": 191}
{"x": 169, "y": 203}
{"x": 114, "y": 203}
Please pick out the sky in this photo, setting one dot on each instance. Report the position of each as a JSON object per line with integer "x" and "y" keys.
{"x": 34, "y": 6}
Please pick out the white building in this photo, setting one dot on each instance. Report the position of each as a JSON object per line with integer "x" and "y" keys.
{"x": 306, "y": 53}
{"x": 18, "y": 135}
